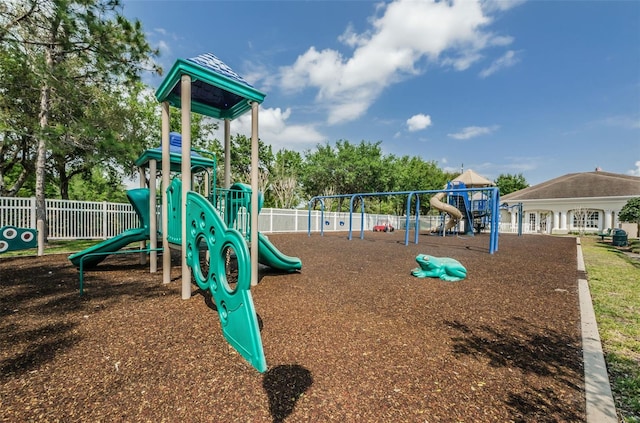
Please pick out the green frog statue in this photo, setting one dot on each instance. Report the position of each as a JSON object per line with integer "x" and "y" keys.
{"x": 445, "y": 268}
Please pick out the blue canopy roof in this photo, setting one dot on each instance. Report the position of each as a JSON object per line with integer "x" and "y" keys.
{"x": 175, "y": 155}
{"x": 216, "y": 90}
{"x": 175, "y": 145}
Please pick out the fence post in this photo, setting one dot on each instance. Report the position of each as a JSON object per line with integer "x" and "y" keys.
{"x": 104, "y": 220}
{"x": 32, "y": 212}
{"x": 271, "y": 220}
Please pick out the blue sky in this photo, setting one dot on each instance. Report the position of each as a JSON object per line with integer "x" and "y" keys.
{"x": 542, "y": 88}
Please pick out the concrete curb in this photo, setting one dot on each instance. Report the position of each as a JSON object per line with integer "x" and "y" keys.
{"x": 600, "y": 405}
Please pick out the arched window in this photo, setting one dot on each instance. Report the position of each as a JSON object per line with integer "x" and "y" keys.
{"x": 585, "y": 219}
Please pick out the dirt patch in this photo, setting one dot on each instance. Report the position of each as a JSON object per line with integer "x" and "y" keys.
{"x": 353, "y": 337}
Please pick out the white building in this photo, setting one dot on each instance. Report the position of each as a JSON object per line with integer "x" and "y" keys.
{"x": 576, "y": 202}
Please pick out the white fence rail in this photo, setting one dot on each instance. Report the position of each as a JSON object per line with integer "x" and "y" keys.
{"x": 70, "y": 219}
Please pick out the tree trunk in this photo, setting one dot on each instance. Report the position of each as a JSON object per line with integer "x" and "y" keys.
{"x": 64, "y": 189}
{"x": 58, "y": 163}
{"x": 41, "y": 211}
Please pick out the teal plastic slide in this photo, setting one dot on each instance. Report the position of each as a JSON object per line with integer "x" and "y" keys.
{"x": 139, "y": 199}
{"x": 270, "y": 256}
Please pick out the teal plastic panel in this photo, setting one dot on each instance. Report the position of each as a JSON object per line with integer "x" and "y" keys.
{"x": 13, "y": 239}
{"x": 174, "y": 201}
{"x": 210, "y": 247}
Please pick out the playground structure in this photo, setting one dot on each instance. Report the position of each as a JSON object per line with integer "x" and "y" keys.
{"x": 214, "y": 228}
{"x": 480, "y": 206}
{"x": 461, "y": 207}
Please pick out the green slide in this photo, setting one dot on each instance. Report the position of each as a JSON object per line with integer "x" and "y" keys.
{"x": 109, "y": 246}
{"x": 270, "y": 256}
{"x": 139, "y": 199}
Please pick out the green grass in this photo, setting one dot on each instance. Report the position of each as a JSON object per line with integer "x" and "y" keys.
{"x": 614, "y": 281}
{"x": 55, "y": 247}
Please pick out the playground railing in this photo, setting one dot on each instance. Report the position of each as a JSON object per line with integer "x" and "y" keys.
{"x": 233, "y": 205}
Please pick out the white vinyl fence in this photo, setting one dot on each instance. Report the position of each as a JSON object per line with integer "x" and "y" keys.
{"x": 70, "y": 219}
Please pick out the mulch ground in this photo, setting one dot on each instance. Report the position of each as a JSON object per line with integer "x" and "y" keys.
{"x": 353, "y": 337}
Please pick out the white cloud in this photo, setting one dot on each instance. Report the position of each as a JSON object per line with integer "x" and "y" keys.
{"x": 418, "y": 122}
{"x": 500, "y": 5}
{"x": 636, "y": 171}
{"x": 276, "y": 131}
{"x": 161, "y": 39}
{"x": 314, "y": 68}
{"x": 507, "y": 60}
{"x": 622, "y": 121}
{"x": 452, "y": 169}
{"x": 400, "y": 38}
{"x": 164, "y": 48}
{"x": 350, "y": 38}
{"x": 258, "y": 75}
{"x": 473, "y": 131}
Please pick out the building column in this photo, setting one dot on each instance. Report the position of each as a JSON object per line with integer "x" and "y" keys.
{"x": 548, "y": 220}
{"x": 608, "y": 220}
{"x": 563, "y": 220}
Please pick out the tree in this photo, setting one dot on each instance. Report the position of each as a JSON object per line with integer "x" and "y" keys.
{"x": 106, "y": 131}
{"x": 508, "y": 183}
{"x": 241, "y": 162}
{"x": 319, "y": 169}
{"x": 360, "y": 167}
{"x": 580, "y": 215}
{"x": 18, "y": 117}
{"x": 98, "y": 185}
{"x": 68, "y": 44}
{"x": 11, "y": 17}
{"x": 285, "y": 185}
{"x": 414, "y": 174}
{"x": 241, "y": 158}
{"x": 630, "y": 212}
{"x": 345, "y": 169}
